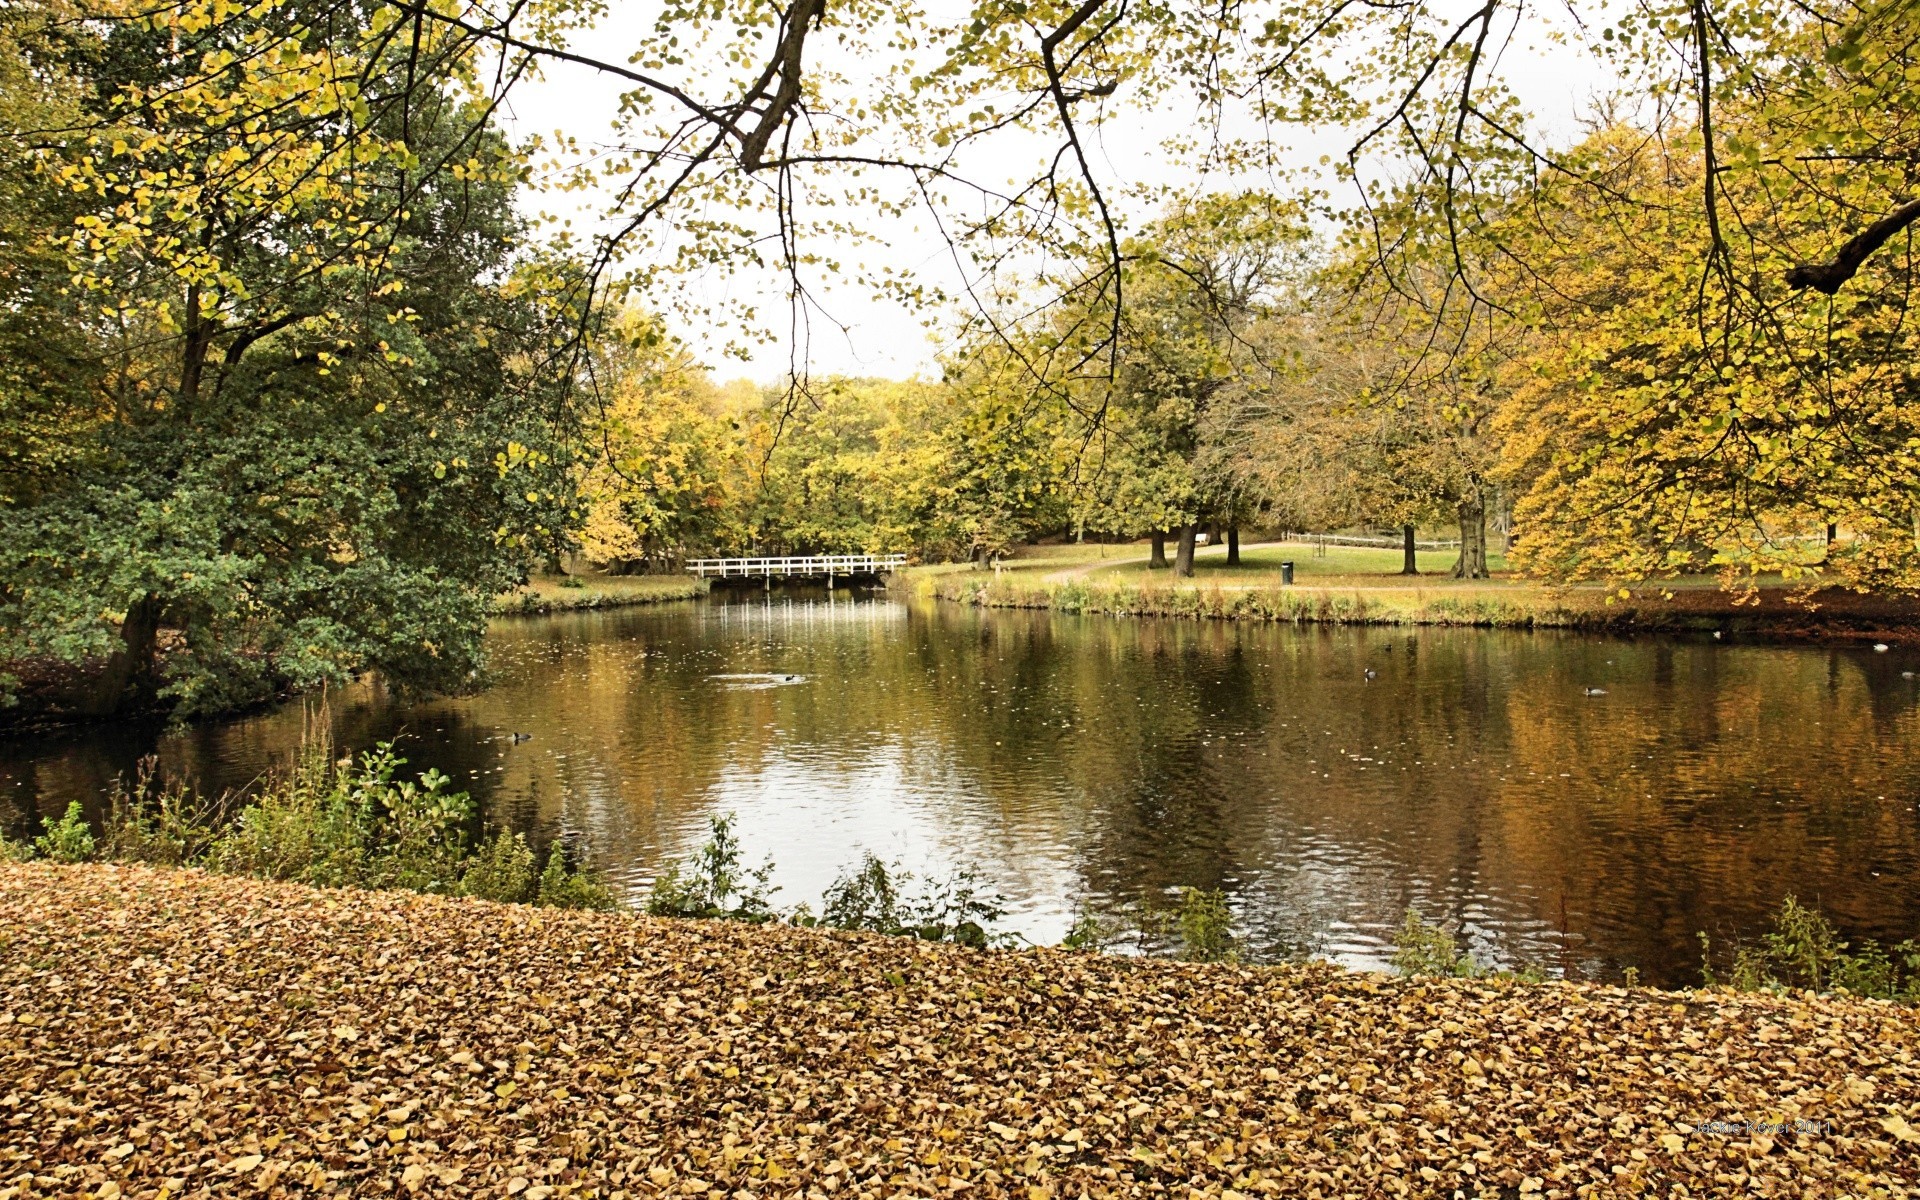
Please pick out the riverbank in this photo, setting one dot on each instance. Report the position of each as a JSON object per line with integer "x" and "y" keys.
{"x": 1339, "y": 589}
{"x": 166, "y": 1032}
{"x": 566, "y": 593}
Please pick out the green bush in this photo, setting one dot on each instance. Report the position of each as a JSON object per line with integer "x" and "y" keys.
{"x": 345, "y": 823}
{"x": 713, "y": 884}
{"x": 1803, "y": 950}
{"x": 1090, "y": 933}
{"x": 67, "y": 840}
{"x": 12, "y": 851}
{"x": 301, "y": 827}
{"x": 1421, "y": 950}
{"x": 1201, "y": 926}
{"x": 501, "y": 870}
{"x": 872, "y": 896}
{"x": 863, "y": 897}
{"x": 348, "y": 823}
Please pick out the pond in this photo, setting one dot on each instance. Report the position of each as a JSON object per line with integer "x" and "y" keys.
{"x": 1326, "y": 779}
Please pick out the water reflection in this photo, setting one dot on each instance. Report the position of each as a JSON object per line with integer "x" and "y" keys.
{"x": 1326, "y": 778}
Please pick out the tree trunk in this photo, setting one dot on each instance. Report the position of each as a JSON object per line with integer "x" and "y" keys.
{"x": 1159, "y": 559}
{"x": 1472, "y": 563}
{"x": 1183, "y": 556}
{"x": 1409, "y": 557}
{"x": 1233, "y": 543}
{"x": 131, "y": 662}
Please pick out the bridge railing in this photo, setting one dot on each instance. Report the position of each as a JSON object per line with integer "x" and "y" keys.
{"x": 796, "y": 565}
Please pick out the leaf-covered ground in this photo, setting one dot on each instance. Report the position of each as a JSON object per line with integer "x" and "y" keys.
{"x": 169, "y": 1033}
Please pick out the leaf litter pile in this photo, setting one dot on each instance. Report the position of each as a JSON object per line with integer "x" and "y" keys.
{"x": 176, "y": 1034}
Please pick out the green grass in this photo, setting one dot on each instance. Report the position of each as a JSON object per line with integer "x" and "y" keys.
{"x": 552, "y": 593}
{"x": 1341, "y": 566}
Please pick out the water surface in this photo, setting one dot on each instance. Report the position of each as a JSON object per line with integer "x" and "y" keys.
{"x": 1087, "y": 762}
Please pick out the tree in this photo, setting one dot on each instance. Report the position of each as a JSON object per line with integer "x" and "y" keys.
{"x": 320, "y": 430}
{"x": 652, "y": 483}
{"x": 1201, "y": 280}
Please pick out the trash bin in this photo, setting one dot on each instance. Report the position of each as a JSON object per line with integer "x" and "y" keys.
{"x": 1286, "y": 571}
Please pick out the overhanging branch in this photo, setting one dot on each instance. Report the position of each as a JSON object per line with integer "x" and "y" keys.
{"x": 1830, "y": 277}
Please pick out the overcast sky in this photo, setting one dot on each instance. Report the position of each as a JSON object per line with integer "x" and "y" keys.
{"x": 881, "y": 337}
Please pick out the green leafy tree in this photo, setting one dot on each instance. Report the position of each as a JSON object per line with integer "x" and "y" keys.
{"x": 320, "y": 428}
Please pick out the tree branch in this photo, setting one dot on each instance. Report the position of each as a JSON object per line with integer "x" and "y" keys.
{"x": 1828, "y": 277}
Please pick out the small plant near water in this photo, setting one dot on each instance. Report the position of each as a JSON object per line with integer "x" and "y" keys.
{"x": 1201, "y": 924}
{"x": 872, "y": 896}
{"x": 1804, "y": 951}
{"x": 12, "y": 851}
{"x": 1425, "y": 951}
{"x": 714, "y": 883}
{"x": 157, "y": 821}
{"x": 502, "y": 870}
{"x": 67, "y": 840}
{"x": 564, "y": 887}
{"x": 1090, "y": 932}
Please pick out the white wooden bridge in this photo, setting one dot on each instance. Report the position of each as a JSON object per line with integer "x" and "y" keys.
{"x": 827, "y": 566}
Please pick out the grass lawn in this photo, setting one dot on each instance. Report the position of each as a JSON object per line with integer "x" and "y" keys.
{"x": 1341, "y": 566}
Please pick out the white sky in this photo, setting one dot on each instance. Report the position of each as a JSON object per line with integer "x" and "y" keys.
{"x": 881, "y": 337}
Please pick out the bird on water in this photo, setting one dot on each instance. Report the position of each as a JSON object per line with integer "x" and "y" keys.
{"x": 1594, "y": 691}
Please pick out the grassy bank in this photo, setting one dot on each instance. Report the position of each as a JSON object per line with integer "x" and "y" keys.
{"x": 168, "y": 1032}
{"x": 562, "y": 593}
{"x": 1358, "y": 586}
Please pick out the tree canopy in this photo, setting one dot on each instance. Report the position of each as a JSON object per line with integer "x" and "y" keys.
{"x": 293, "y": 386}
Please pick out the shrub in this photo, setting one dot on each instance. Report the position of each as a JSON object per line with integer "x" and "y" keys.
{"x": 344, "y": 823}
{"x": 1090, "y": 933}
{"x": 158, "y": 822}
{"x": 501, "y": 870}
{"x": 712, "y": 883}
{"x": 865, "y": 897}
{"x": 12, "y": 851}
{"x": 414, "y": 831}
{"x": 300, "y": 827}
{"x": 563, "y": 888}
{"x": 67, "y": 840}
{"x": 1421, "y": 950}
{"x": 872, "y": 896}
{"x": 1804, "y": 950}
{"x": 1203, "y": 926}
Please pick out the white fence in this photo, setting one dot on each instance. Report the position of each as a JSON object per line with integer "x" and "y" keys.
{"x": 828, "y": 565}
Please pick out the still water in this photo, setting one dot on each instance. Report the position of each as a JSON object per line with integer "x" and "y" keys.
{"x": 1094, "y": 763}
